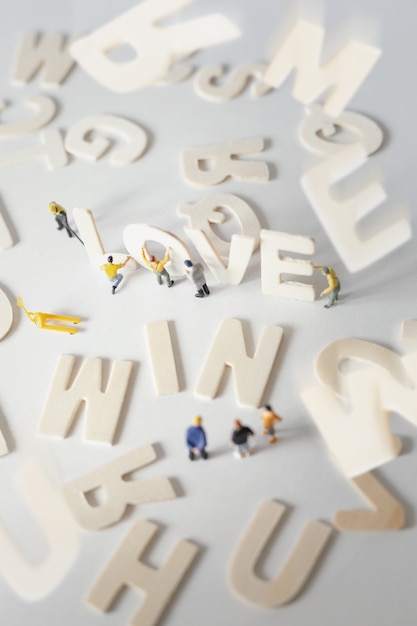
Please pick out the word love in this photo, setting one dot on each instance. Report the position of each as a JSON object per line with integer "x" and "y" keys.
{"x": 228, "y": 261}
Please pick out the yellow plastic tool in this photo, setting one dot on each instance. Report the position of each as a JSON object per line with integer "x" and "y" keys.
{"x": 40, "y": 319}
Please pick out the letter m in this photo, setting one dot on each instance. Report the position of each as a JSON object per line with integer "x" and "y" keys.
{"x": 344, "y": 72}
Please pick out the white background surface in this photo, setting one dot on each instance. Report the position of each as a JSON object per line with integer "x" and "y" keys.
{"x": 362, "y": 578}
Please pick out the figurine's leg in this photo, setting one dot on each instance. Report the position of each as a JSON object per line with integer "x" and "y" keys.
{"x": 159, "y": 278}
{"x": 66, "y": 225}
{"x": 206, "y": 289}
{"x": 271, "y": 431}
{"x": 59, "y": 222}
{"x": 332, "y": 298}
{"x": 203, "y": 453}
{"x": 116, "y": 282}
{"x": 238, "y": 452}
{"x": 168, "y": 277}
{"x": 199, "y": 294}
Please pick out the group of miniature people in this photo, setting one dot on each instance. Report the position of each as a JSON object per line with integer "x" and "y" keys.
{"x": 196, "y": 439}
{"x": 193, "y": 271}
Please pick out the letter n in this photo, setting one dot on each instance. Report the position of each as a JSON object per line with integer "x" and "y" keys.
{"x": 250, "y": 373}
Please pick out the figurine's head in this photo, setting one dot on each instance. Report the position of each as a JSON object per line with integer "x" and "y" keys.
{"x": 188, "y": 263}
{"x": 197, "y": 420}
{"x": 109, "y": 259}
{"x": 238, "y": 425}
{"x": 267, "y": 407}
{"x": 152, "y": 258}
{"x": 53, "y": 207}
{"x": 325, "y": 270}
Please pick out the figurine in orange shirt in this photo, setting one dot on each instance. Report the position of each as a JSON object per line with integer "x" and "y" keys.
{"x": 269, "y": 418}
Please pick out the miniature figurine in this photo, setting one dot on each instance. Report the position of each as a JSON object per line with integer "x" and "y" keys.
{"x": 196, "y": 439}
{"x": 40, "y": 319}
{"x": 195, "y": 273}
{"x": 62, "y": 220}
{"x": 333, "y": 284}
{"x": 240, "y": 440}
{"x": 158, "y": 267}
{"x": 112, "y": 274}
{"x": 269, "y": 418}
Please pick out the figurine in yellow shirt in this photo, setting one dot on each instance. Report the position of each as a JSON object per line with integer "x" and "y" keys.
{"x": 158, "y": 267}
{"x": 62, "y": 219}
{"x": 333, "y": 285}
{"x": 111, "y": 270}
{"x": 269, "y": 418}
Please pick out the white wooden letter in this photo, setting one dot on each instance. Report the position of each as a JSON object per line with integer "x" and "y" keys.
{"x": 273, "y": 265}
{"x": 135, "y": 235}
{"x": 250, "y": 373}
{"x": 4, "y": 448}
{"x": 77, "y": 144}
{"x": 103, "y": 408}
{"x": 44, "y": 113}
{"x": 46, "y": 502}
{"x": 93, "y": 244}
{"x": 357, "y": 430}
{"x": 156, "y": 47}
{"x": 162, "y": 357}
{"x": 118, "y": 491}
{"x": 51, "y": 148}
{"x": 296, "y": 570}
{"x": 87, "y": 228}
{"x": 6, "y": 239}
{"x": 6, "y": 315}
{"x": 239, "y": 78}
{"x": 386, "y": 512}
{"x": 48, "y": 52}
{"x": 240, "y": 253}
{"x": 366, "y": 131}
{"x": 207, "y": 211}
{"x": 126, "y": 570}
{"x": 340, "y": 218}
{"x": 345, "y": 72}
{"x": 210, "y": 165}
{"x": 409, "y": 329}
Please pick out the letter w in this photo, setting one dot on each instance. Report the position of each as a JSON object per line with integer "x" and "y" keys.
{"x": 103, "y": 408}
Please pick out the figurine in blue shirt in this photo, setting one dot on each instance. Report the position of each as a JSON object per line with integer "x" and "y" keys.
{"x": 196, "y": 439}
